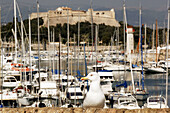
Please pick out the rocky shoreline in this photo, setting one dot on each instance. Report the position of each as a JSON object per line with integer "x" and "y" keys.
{"x": 79, "y": 110}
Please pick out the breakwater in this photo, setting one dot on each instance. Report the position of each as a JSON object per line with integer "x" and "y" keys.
{"x": 79, "y": 110}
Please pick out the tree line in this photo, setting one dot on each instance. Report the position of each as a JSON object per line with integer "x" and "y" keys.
{"x": 104, "y": 34}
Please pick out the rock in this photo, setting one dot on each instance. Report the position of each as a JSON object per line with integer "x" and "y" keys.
{"x": 111, "y": 110}
{"x": 90, "y": 110}
{"x": 78, "y": 110}
{"x": 60, "y": 110}
{"x": 167, "y": 110}
{"x": 43, "y": 110}
{"x": 68, "y": 110}
{"x": 101, "y": 110}
{"x": 132, "y": 111}
{"x": 121, "y": 110}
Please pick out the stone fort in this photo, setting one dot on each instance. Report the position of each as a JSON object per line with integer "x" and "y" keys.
{"x": 59, "y": 16}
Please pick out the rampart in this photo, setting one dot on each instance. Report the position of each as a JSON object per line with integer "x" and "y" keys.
{"x": 61, "y": 15}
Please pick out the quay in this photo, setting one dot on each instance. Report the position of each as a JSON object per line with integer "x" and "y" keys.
{"x": 79, "y": 110}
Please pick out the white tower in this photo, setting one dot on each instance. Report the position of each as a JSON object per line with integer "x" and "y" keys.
{"x": 130, "y": 40}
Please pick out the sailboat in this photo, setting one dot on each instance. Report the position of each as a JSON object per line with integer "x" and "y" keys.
{"x": 126, "y": 102}
{"x": 122, "y": 99}
{"x": 154, "y": 67}
{"x": 159, "y": 101}
{"x": 155, "y": 102}
{"x": 141, "y": 93}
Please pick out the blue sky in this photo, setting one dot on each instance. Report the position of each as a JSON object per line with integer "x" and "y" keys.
{"x": 84, "y": 4}
{"x": 158, "y": 8}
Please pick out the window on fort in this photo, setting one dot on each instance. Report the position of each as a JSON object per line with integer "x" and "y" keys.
{"x": 97, "y": 13}
{"x": 54, "y": 12}
{"x": 103, "y": 13}
{"x": 60, "y": 12}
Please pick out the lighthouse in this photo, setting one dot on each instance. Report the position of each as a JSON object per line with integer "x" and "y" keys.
{"x": 130, "y": 40}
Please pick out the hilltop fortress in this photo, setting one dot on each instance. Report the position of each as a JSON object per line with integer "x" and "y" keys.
{"x": 59, "y": 16}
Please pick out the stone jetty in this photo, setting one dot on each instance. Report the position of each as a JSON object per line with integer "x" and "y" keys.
{"x": 79, "y": 110}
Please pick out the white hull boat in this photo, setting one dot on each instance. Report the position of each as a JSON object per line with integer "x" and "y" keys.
{"x": 155, "y": 102}
{"x": 126, "y": 102}
{"x": 155, "y": 70}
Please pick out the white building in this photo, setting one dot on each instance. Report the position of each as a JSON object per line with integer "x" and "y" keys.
{"x": 130, "y": 40}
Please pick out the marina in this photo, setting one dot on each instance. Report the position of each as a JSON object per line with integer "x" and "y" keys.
{"x": 69, "y": 58}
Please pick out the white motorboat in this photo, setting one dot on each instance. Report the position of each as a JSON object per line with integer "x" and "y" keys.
{"x": 115, "y": 67}
{"x": 155, "y": 102}
{"x": 75, "y": 95}
{"x": 155, "y": 70}
{"x": 44, "y": 103}
{"x": 116, "y": 94}
{"x": 9, "y": 82}
{"x": 126, "y": 102}
{"x": 9, "y": 98}
{"x": 153, "y": 67}
{"x": 164, "y": 64}
{"x": 141, "y": 94}
{"x": 47, "y": 87}
{"x": 23, "y": 95}
{"x": 8, "y": 95}
{"x": 25, "y": 100}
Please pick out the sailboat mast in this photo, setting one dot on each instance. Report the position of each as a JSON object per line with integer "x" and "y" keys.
{"x": 49, "y": 44}
{"x": 91, "y": 27}
{"x": 153, "y": 36}
{"x": 78, "y": 39}
{"x": 96, "y": 48}
{"x": 140, "y": 13}
{"x": 30, "y": 48}
{"x": 156, "y": 60}
{"x": 145, "y": 41}
{"x": 38, "y": 44}
{"x": 68, "y": 35}
{"x": 140, "y": 31}
{"x": 0, "y": 26}
{"x": 118, "y": 42}
{"x": 167, "y": 59}
{"x": 124, "y": 33}
{"x": 54, "y": 53}
{"x": 23, "y": 49}
{"x": 15, "y": 18}
{"x": 1, "y": 60}
{"x": 59, "y": 56}
{"x": 164, "y": 34}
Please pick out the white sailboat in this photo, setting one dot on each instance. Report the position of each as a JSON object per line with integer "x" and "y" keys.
{"x": 126, "y": 102}
{"x": 154, "y": 67}
{"x": 159, "y": 101}
{"x": 155, "y": 102}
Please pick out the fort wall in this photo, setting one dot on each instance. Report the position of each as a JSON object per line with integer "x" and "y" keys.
{"x": 60, "y": 15}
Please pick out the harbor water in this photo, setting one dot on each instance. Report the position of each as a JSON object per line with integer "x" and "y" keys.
{"x": 154, "y": 83}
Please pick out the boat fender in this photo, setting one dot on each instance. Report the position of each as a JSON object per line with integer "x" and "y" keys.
{"x": 129, "y": 87}
{"x": 7, "y": 93}
{"x": 27, "y": 90}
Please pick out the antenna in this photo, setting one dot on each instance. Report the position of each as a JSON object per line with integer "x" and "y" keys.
{"x": 91, "y": 3}
{"x": 167, "y": 4}
{"x": 124, "y": 1}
